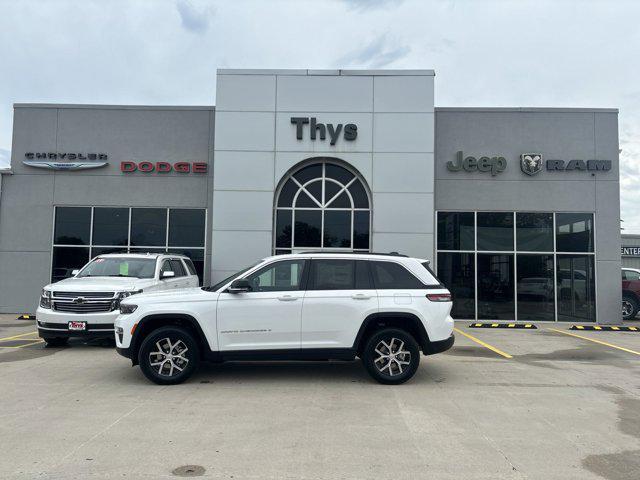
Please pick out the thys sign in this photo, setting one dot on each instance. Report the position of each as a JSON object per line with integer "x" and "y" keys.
{"x": 320, "y": 130}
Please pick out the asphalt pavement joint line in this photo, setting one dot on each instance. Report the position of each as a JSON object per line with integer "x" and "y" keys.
{"x": 595, "y": 341}
{"x": 484, "y": 344}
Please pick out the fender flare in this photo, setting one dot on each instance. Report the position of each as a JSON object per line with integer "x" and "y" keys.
{"x": 423, "y": 339}
{"x": 136, "y": 341}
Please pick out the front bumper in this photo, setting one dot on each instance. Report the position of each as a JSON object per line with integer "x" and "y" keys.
{"x": 53, "y": 324}
{"x": 440, "y": 346}
{"x": 125, "y": 352}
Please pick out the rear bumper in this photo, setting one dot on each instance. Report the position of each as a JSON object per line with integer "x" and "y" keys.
{"x": 440, "y": 346}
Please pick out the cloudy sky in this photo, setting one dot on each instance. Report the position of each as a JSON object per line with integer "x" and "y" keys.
{"x": 499, "y": 53}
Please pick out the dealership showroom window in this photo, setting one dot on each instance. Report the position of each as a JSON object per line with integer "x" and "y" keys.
{"x": 82, "y": 233}
{"x": 518, "y": 265}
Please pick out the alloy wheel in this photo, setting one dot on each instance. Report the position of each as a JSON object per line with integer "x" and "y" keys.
{"x": 392, "y": 358}
{"x": 627, "y": 308}
{"x": 169, "y": 359}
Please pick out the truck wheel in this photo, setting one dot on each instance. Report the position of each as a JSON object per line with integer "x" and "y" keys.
{"x": 629, "y": 307}
{"x": 168, "y": 356}
{"x": 56, "y": 341}
{"x": 391, "y": 356}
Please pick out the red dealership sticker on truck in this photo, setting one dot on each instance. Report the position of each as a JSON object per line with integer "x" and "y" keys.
{"x": 163, "y": 167}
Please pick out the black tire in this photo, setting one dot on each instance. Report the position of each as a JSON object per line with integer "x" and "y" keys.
{"x": 56, "y": 341}
{"x": 168, "y": 373}
{"x": 629, "y": 307}
{"x": 394, "y": 372}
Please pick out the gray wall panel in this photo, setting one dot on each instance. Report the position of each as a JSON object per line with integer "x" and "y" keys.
{"x": 26, "y": 212}
{"x": 23, "y": 276}
{"x": 133, "y": 191}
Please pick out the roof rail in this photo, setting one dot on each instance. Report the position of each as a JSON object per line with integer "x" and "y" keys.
{"x": 328, "y": 252}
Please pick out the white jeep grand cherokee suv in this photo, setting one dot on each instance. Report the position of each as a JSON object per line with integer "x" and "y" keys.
{"x": 385, "y": 309}
{"x": 88, "y": 303}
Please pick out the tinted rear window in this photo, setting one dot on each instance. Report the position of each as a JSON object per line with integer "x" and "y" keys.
{"x": 390, "y": 275}
{"x": 339, "y": 275}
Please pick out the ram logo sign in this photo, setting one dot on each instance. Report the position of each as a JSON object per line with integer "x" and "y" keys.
{"x": 531, "y": 163}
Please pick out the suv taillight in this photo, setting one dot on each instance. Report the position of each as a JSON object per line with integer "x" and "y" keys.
{"x": 439, "y": 297}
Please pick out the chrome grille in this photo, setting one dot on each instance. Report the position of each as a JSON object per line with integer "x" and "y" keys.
{"x": 82, "y": 302}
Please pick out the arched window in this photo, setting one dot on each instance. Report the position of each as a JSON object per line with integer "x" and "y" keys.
{"x": 323, "y": 206}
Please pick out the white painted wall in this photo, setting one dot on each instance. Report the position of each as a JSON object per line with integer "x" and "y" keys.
{"x": 255, "y": 145}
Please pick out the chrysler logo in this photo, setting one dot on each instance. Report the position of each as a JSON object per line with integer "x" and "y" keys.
{"x": 79, "y": 300}
{"x": 531, "y": 163}
{"x": 65, "y": 161}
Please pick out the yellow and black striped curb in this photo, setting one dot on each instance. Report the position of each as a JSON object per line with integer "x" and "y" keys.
{"x": 26, "y": 317}
{"x": 605, "y": 328}
{"x": 503, "y": 325}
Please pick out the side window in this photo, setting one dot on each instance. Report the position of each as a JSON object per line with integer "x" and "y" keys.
{"x": 332, "y": 274}
{"x": 190, "y": 267}
{"x": 166, "y": 267}
{"x": 176, "y": 266}
{"x": 631, "y": 275}
{"x": 390, "y": 275}
{"x": 278, "y": 277}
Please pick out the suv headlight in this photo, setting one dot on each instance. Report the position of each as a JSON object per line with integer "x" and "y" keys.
{"x": 45, "y": 298}
{"x": 115, "y": 304}
{"x": 126, "y": 309}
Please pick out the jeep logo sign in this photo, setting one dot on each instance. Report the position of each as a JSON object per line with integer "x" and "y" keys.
{"x": 316, "y": 129}
{"x": 495, "y": 165}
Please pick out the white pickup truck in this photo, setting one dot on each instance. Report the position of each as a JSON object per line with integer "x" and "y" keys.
{"x": 87, "y": 304}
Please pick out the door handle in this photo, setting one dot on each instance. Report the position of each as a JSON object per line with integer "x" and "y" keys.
{"x": 360, "y": 296}
{"x": 287, "y": 298}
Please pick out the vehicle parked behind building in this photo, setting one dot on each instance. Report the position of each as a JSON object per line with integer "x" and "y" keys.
{"x": 385, "y": 309}
{"x": 630, "y": 293}
{"x": 87, "y": 304}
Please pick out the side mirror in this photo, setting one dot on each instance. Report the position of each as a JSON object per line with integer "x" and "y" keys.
{"x": 239, "y": 286}
{"x": 75, "y": 272}
{"x": 168, "y": 274}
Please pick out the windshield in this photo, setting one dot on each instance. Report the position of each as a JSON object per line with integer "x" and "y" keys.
{"x": 120, "y": 267}
{"x": 221, "y": 284}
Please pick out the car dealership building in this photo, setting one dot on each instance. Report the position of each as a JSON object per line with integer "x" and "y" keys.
{"x": 517, "y": 208}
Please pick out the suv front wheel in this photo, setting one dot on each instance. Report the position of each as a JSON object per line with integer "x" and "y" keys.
{"x": 391, "y": 356}
{"x": 168, "y": 355}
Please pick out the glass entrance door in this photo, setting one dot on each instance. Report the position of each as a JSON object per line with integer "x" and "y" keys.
{"x": 576, "y": 288}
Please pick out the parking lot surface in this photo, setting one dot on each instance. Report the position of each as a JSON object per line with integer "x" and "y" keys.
{"x": 502, "y": 404}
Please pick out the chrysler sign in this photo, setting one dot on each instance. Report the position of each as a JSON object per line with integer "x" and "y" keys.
{"x": 65, "y": 160}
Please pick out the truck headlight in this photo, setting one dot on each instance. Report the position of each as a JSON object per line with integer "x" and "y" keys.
{"x": 45, "y": 298}
{"x": 115, "y": 304}
{"x": 126, "y": 309}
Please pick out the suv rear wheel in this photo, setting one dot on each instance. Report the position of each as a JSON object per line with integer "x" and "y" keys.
{"x": 629, "y": 307}
{"x": 168, "y": 355}
{"x": 391, "y": 356}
